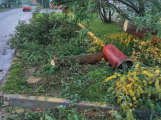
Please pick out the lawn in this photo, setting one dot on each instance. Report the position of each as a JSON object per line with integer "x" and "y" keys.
{"x": 100, "y": 28}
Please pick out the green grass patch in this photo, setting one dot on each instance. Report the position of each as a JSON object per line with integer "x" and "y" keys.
{"x": 16, "y": 83}
{"x": 100, "y": 28}
{"x": 1, "y": 8}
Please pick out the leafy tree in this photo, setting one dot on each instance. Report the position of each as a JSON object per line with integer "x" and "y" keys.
{"x": 19, "y": 2}
{"x": 45, "y": 3}
{"x": 143, "y": 12}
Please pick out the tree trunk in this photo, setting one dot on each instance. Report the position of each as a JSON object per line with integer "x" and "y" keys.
{"x": 103, "y": 15}
{"x": 141, "y": 7}
{"x": 131, "y": 28}
{"x": 81, "y": 59}
{"x": 109, "y": 16}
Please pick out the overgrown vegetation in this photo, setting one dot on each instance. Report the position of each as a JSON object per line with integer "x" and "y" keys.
{"x": 50, "y": 34}
{"x": 58, "y": 113}
{"x": 1, "y": 8}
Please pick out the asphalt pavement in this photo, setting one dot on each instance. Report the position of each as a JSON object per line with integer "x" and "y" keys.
{"x": 8, "y": 21}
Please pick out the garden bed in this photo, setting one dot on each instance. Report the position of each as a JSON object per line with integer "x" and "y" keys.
{"x": 31, "y": 72}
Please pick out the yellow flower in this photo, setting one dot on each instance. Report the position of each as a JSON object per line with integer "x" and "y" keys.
{"x": 150, "y": 82}
{"x": 157, "y": 72}
{"x": 131, "y": 93}
{"x": 117, "y": 74}
{"x": 129, "y": 85}
{"x": 109, "y": 78}
{"x": 117, "y": 84}
{"x": 134, "y": 98}
{"x": 147, "y": 73}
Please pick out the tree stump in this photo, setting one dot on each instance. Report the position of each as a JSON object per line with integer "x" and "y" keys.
{"x": 131, "y": 28}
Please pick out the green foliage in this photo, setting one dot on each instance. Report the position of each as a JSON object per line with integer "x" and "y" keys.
{"x": 137, "y": 88}
{"x": 41, "y": 25}
{"x": 149, "y": 52}
{"x": 45, "y": 3}
{"x": 50, "y": 34}
{"x": 150, "y": 19}
{"x": 123, "y": 41}
{"x": 82, "y": 85}
{"x": 37, "y": 11}
{"x": 1, "y": 7}
{"x": 58, "y": 113}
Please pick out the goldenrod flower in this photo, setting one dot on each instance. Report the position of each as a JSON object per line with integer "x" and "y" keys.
{"x": 109, "y": 78}
{"x": 129, "y": 85}
{"x": 134, "y": 98}
{"x": 117, "y": 84}
{"x": 147, "y": 73}
{"x": 157, "y": 72}
{"x": 137, "y": 66}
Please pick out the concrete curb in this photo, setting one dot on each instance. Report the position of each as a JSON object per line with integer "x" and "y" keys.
{"x": 48, "y": 102}
{"x": 1, "y": 97}
{"x": 45, "y": 102}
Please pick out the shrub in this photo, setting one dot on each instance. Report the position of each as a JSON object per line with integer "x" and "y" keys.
{"x": 138, "y": 88}
{"x": 149, "y": 52}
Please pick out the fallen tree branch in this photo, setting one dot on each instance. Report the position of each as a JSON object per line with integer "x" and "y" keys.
{"x": 81, "y": 59}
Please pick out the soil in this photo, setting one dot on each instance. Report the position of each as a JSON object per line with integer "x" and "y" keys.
{"x": 29, "y": 75}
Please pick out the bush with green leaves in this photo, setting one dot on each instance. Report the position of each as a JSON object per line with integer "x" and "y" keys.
{"x": 149, "y": 52}
{"x": 139, "y": 88}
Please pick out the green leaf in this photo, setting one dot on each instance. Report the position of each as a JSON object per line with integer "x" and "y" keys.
{"x": 49, "y": 118}
{"x": 69, "y": 117}
{"x": 75, "y": 117}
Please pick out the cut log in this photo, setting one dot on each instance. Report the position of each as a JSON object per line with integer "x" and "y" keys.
{"x": 131, "y": 28}
{"x": 81, "y": 59}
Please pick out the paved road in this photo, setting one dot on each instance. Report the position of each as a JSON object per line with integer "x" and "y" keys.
{"x": 8, "y": 21}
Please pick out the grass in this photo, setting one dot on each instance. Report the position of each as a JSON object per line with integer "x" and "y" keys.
{"x": 16, "y": 82}
{"x": 1, "y": 8}
{"x": 100, "y": 28}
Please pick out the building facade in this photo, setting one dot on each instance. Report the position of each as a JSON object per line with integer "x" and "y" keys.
{"x": 1, "y": 2}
